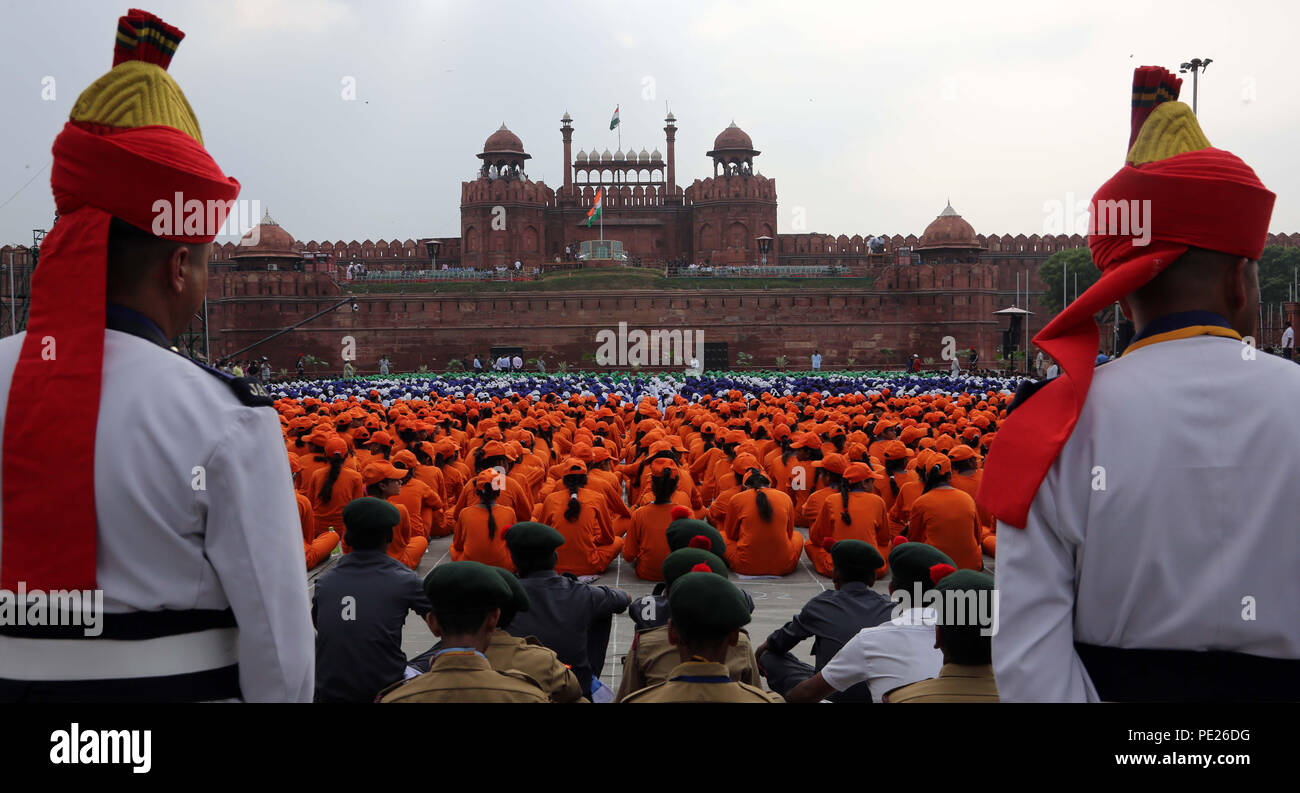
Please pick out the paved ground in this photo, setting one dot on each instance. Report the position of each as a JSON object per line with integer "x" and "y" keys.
{"x": 775, "y": 602}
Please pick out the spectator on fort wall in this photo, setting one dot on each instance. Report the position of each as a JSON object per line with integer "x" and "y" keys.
{"x": 817, "y": 360}
{"x": 478, "y": 365}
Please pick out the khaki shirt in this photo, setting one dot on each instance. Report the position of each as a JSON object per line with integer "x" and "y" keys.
{"x": 653, "y": 658}
{"x": 457, "y": 676}
{"x": 541, "y": 664}
{"x": 955, "y": 683}
{"x": 694, "y": 681}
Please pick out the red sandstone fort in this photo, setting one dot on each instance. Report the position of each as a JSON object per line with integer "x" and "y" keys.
{"x": 948, "y": 281}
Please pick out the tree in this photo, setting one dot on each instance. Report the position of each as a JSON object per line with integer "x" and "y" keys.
{"x": 1277, "y": 269}
{"x": 1066, "y": 264}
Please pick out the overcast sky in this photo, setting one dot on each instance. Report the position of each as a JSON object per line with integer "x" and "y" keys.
{"x": 869, "y": 115}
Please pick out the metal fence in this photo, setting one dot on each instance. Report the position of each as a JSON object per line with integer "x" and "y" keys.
{"x": 805, "y": 271}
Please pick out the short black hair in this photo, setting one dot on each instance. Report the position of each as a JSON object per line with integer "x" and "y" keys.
{"x": 368, "y": 537}
{"x": 132, "y": 252}
{"x": 966, "y": 646}
{"x": 459, "y": 619}
{"x": 534, "y": 562}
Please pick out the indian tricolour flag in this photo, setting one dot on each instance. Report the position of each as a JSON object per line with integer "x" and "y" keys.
{"x": 598, "y": 205}
{"x": 613, "y": 121}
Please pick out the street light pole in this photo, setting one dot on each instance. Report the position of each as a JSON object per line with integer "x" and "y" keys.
{"x": 1195, "y": 66}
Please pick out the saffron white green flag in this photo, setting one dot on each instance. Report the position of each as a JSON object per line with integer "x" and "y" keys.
{"x": 597, "y": 206}
{"x": 613, "y": 122}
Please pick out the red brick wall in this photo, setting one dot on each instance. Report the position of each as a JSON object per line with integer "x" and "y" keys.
{"x": 905, "y": 312}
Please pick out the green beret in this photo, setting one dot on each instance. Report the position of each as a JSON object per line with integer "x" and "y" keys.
{"x": 856, "y": 558}
{"x": 528, "y": 537}
{"x": 466, "y": 586}
{"x": 370, "y": 513}
{"x": 707, "y": 605}
{"x": 680, "y": 562}
{"x": 971, "y": 580}
{"x": 910, "y": 563}
{"x": 682, "y": 531}
{"x": 518, "y": 595}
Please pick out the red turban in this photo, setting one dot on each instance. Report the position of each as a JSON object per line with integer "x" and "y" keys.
{"x": 1206, "y": 198}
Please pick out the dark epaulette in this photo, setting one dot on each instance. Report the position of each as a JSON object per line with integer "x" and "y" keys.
{"x": 1027, "y": 390}
{"x": 250, "y": 391}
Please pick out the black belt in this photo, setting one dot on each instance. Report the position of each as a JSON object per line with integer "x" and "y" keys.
{"x": 1131, "y": 675}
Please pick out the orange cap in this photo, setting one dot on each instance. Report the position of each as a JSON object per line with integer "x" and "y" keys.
{"x": 336, "y": 447}
{"x": 857, "y": 472}
{"x": 743, "y": 463}
{"x": 835, "y": 463}
{"x": 661, "y": 464}
{"x": 294, "y": 465}
{"x": 378, "y": 472}
{"x": 574, "y": 466}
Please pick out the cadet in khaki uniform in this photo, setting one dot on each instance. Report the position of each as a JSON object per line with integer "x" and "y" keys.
{"x": 967, "y": 673}
{"x": 526, "y": 655}
{"x": 467, "y": 598}
{"x": 708, "y": 613}
{"x": 653, "y": 657}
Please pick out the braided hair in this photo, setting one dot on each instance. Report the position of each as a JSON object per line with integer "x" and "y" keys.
{"x": 574, "y": 482}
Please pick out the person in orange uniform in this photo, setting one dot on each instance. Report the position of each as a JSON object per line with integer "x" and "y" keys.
{"x": 646, "y": 543}
{"x": 864, "y": 519}
{"x": 829, "y": 474}
{"x": 761, "y": 539}
{"x": 419, "y": 499}
{"x": 946, "y": 517}
{"x": 334, "y": 486}
{"x": 966, "y": 476}
{"x": 896, "y": 458}
{"x": 578, "y": 513}
{"x": 384, "y": 480}
{"x": 316, "y": 547}
{"x": 901, "y": 509}
{"x": 481, "y": 527}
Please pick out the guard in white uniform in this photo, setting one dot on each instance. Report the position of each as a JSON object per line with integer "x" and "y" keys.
{"x": 156, "y": 481}
{"x": 1157, "y": 556}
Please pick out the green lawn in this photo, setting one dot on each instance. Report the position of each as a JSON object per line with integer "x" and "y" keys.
{"x": 610, "y": 281}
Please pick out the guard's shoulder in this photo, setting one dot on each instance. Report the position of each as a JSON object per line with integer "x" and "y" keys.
{"x": 248, "y": 390}
{"x": 760, "y": 694}
{"x": 643, "y": 694}
{"x": 522, "y": 678}
{"x": 1026, "y": 390}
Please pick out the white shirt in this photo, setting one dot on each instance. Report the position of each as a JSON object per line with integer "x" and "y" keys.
{"x": 887, "y": 656}
{"x": 173, "y": 537}
{"x": 1053, "y": 371}
{"x": 518, "y": 362}
{"x": 1197, "y": 519}
{"x": 816, "y": 362}
{"x": 1288, "y": 337}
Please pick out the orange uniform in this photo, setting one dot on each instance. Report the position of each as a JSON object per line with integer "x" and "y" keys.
{"x": 316, "y": 547}
{"x": 869, "y": 524}
{"x": 471, "y": 541}
{"x": 647, "y": 542}
{"x": 589, "y": 541}
{"x": 947, "y": 519}
{"x": 762, "y": 547}
{"x": 424, "y": 505}
{"x": 329, "y": 513}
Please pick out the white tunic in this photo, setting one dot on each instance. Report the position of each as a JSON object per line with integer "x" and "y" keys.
{"x": 1171, "y": 520}
{"x": 196, "y": 511}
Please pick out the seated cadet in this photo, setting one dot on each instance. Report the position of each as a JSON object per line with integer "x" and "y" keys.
{"x": 852, "y": 513}
{"x": 360, "y": 606}
{"x": 579, "y": 514}
{"x": 708, "y": 613}
{"x": 315, "y": 546}
{"x": 760, "y": 530}
{"x": 509, "y": 652}
{"x": 646, "y": 544}
{"x": 570, "y": 617}
{"x": 967, "y": 673}
{"x": 832, "y": 618}
{"x": 480, "y": 528}
{"x": 466, "y": 600}
{"x": 651, "y": 611}
{"x": 896, "y": 652}
{"x": 652, "y": 657}
{"x": 384, "y": 480}
{"x": 946, "y": 517}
